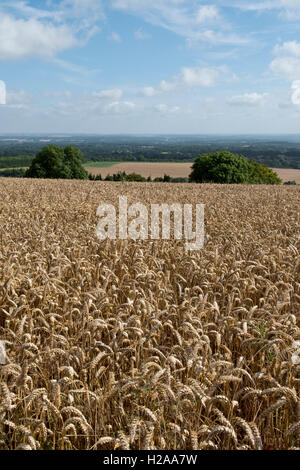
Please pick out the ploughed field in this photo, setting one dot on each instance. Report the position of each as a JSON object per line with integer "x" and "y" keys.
{"x": 157, "y": 169}
{"x": 139, "y": 344}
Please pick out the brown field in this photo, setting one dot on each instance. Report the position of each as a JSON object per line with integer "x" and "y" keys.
{"x": 139, "y": 344}
{"x": 145, "y": 169}
{"x": 173, "y": 169}
{"x": 288, "y": 175}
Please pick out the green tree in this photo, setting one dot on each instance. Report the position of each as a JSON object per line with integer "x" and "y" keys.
{"x": 261, "y": 174}
{"x": 57, "y": 162}
{"x": 73, "y": 162}
{"x": 225, "y": 167}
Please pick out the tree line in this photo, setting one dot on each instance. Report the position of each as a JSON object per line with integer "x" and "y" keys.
{"x": 223, "y": 167}
{"x": 270, "y": 152}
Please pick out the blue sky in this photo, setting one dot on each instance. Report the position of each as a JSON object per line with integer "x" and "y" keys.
{"x": 150, "y": 66}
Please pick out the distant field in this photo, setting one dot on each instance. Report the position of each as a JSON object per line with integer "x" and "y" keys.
{"x": 100, "y": 164}
{"x": 173, "y": 169}
{"x": 145, "y": 169}
{"x": 14, "y": 168}
{"x": 288, "y": 175}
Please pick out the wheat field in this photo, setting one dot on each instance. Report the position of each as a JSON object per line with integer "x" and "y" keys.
{"x": 138, "y": 344}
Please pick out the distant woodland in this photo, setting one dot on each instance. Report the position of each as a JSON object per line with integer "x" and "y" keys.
{"x": 19, "y": 151}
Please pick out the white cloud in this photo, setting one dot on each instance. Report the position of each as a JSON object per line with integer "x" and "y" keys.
{"x": 85, "y": 10}
{"x": 288, "y": 48}
{"x": 295, "y": 96}
{"x": 26, "y": 31}
{"x": 120, "y": 107}
{"x": 167, "y": 86}
{"x": 183, "y": 17}
{"x": 114, "y": 94}
{"x": 203, "y": 77}
{"x": 287, "y": 8}
{"x": 287, "y": 67}
{"x": 149, "y": 91}
{"x": 2, "y": 92}
{"x": 95, "y": 104}
{"x": 248, "y": 99}
{"x": 287, "y": 62}
{"x": 290, "y": 9}
{"x": 21, "y": 38}
{"x": 165, "y": 109}
{"x": 207, "y": 13}
{"x": 191, "y": 77}
{"x": 23, "y": 9}
{"x": 218, "y": 38}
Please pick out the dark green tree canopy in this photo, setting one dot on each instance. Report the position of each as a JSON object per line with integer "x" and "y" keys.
{"x": 57, "y": 162}
{"x": 225, "y": 167}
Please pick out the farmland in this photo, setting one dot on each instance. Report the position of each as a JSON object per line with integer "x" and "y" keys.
{"x": 172, "y": 169}
{"x": 139, "y": 344}
{"x": 286, "y": 174}
{"x": 100, "y": 164}
{"x": 145, "y": 169}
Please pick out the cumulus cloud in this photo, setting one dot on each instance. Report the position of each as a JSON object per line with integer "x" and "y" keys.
{"x": 248, "y": 99}
{"x": 44, "y": 32}
{"x": 28, "y": 31}
{"x": 21, "y": 38}
{"x": 287, "y": 62}
{"x": 288, "y": 67}
{"x": 288, "y": 48}
{"x": 191, "y": 77}
{"x": 2, "y": 92}
{"x": 203, "y": 77}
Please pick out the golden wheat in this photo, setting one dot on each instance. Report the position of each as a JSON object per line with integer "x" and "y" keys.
{"x": 138, "y": 344}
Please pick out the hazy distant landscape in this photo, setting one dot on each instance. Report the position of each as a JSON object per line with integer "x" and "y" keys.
{"x": 282, "y": 151}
